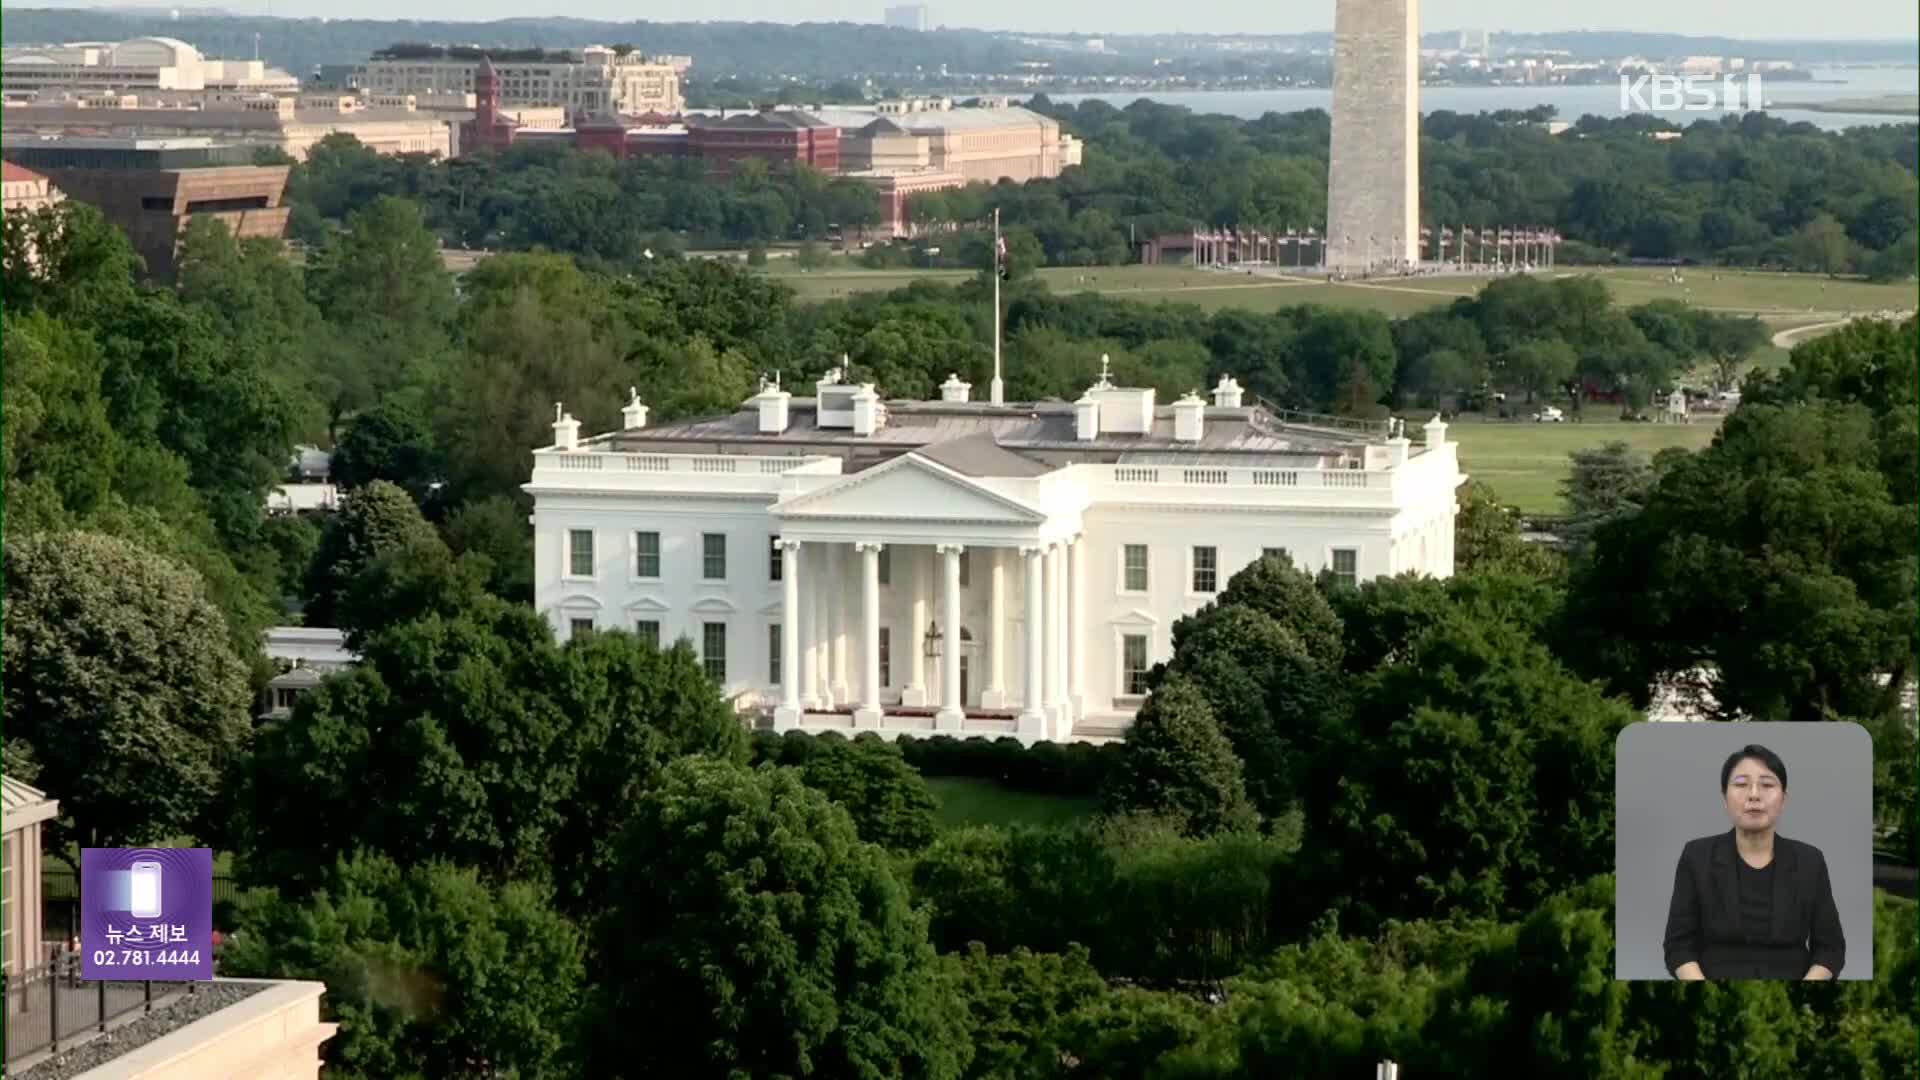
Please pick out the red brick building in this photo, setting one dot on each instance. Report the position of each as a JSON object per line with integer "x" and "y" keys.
{"x": 488, "y": 129}
{"x": 786, "y": 137}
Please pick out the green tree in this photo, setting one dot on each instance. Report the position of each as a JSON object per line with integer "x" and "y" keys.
{"x": 1016, "y": 1002}
{"x": 889, "y": 802}
{"x": 121, "y": 681}
{"x": 1486, "y": 532}
{"x": 430, "y": 970}
{"x": 391, "y": 441}
{"x": 378, "y": 521}
{"x": 1779, "y": 558}
{"x": 475, "y": 738}
{"x": 1176, "y": 763}
{"x": 1822, "y": 244}
{"x": 1603, "y": 484}
{"x": 760, "y": 935}
{"x": 1458, "y": 784}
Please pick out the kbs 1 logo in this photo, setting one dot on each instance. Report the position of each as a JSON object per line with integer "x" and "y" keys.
{"x": 1691, "y": 93}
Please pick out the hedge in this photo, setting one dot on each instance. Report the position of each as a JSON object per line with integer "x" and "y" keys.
{"x": 1045, "y": 768}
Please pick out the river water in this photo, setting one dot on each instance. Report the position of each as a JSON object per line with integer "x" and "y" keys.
{"x": 1571, "y": 101}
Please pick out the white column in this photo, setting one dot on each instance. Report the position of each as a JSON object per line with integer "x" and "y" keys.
{"x": 1033, "y": 719}
{"x": 839, "y": 616}
{"x": 1053, "y": 637}
{"x": 914, "y": 571}
{"x": 1077, "y": 627}
{"x": 813, "y": 621}
{"x": 951, "y": 713}
{"x": 788, "y": 714}
{"x": 869, "y": 711}
{"x": 995, "y": 695}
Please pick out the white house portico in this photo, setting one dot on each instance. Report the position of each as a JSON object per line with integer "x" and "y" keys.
{"x": 959, "y": 567}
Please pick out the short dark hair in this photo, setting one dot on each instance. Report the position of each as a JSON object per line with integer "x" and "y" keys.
{"x": 1759, "y": 753}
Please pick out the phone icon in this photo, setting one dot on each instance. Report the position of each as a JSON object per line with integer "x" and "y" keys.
{"x": 146, "y": 890}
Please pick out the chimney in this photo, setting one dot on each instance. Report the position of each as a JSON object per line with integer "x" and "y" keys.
{"x": 953, "y": 389}
{"x": 1398, "y": 448}
{"x": 566, "y": 430}
{"x": 1189, "y": 415}
{"x": 634, "y": 416}
{"x": 1226, "y": 395}
{"x": 1436, "y": 432}
{"x": 772, "y": 402}
{"x": 866, "y": 410}
{"x": 1086, "y": 414}
{"x": 832, "y": 377}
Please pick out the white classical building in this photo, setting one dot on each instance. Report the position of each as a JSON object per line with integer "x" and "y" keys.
{"x": 960, "y": 567}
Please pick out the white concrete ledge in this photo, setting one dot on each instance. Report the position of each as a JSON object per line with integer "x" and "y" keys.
{"x": 274, "y": 1034}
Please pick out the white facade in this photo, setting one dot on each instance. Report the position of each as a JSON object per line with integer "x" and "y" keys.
{"x": 601, "y": 80}
{"x": 808, "y": 548}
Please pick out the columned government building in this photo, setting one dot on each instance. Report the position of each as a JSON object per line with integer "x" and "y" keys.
{"x": 852, "y": 564}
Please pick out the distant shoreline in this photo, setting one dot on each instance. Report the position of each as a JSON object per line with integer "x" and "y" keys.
{"x": 1879, "y": 105}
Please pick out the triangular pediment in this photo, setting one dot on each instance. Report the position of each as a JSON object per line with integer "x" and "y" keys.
{"x": 1136, "y": 617}
{"x": 651, "y": 604}
{"x": 907, "y": 488}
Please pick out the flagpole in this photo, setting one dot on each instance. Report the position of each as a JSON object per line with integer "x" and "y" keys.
{"x": 998, "y": 389}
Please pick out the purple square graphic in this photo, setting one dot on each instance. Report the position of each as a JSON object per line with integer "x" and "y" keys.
{"x": 146, "y": 913}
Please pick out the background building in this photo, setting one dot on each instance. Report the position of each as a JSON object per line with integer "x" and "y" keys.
{"x": 955, "y": 566}
{"x": 149, "y": 63}
{"x": 910, "y": 17}
{"x": 26, "y": 189}
{"x": 288, "y": 123}
{"x": 154, "y": 205}
{"x": 600, "y": 79}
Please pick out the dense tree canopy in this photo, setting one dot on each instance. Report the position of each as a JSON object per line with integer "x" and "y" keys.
{"x": 121, "y": 684}
{"x": 758, "y": 933}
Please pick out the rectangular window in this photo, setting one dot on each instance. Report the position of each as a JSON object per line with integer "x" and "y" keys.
{"x": 966, "y": 569}
{"x": 1133, "y": 664}
{"x": 1346, "y": 565}
{"x": 713, "y": 650}
{"x": 886, "y": 656}
{"x": 1206, "y": 569}
{"x": 580, "y": 552}
{"x": 773, "y": 561}
{"x": 646, "y": 554}
{"x": 774, "y": 655}
{"x": 1274, "y": 553}
{"x": 1136, "y": 568}
{"x": 886, "y": 566}
{"x": 713, "y": 556}
{"x": 580, "y": 626}
{"x": 7, "y": 906}
{"x": 648, "y": 630}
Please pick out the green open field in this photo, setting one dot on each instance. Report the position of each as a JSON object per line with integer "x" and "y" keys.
{"x": 1525, "y": 462}
{"x": 965, "y": 801}
{"x": 1782, "y": 299}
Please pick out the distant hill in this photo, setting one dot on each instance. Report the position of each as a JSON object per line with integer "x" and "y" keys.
{"x": 814, "y": 50}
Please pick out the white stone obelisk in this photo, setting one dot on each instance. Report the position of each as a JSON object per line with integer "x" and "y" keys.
{"x": 1373, "y": 168}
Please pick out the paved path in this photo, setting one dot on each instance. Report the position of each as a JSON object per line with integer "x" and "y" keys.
{"x": 1787, "y": 339}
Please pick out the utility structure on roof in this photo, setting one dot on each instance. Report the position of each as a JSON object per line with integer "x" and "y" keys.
{"x": 848, "y": 562}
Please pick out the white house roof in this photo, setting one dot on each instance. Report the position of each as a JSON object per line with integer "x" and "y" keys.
{"x": 1247, "y": 436}
{"x": 24, "y": 805}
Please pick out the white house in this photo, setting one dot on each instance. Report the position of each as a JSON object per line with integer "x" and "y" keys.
{"x": 957, "y": 566}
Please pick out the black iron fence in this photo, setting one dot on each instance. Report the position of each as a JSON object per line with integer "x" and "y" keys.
{"x": 52, "y": 1006}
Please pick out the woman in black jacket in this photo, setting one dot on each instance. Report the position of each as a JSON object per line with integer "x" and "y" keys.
{"x": 1750, "y": 903}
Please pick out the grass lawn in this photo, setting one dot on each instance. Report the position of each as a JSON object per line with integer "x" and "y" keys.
{"x": 1784, "y": 298}
{"x": 965, "y": 801}
{"x": 1524, "y": 462}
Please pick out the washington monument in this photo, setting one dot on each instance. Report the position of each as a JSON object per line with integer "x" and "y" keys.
{"x": 1373, "y": 170}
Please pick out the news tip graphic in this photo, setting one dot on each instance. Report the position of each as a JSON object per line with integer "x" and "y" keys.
{"x": 146, "y": 913}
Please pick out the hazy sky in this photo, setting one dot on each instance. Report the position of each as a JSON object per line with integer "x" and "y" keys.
{"x": 1734, "y": 18}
